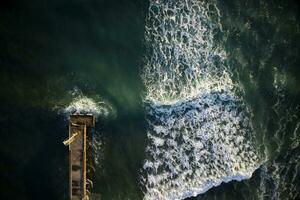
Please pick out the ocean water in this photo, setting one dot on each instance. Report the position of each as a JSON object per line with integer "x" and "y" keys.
{"x": 194, "y": 99}
{"x": 200, "y": 131}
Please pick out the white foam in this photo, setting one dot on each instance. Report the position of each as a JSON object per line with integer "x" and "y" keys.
{"x": 82, "y": 104}
{"x": 200, "y": 131}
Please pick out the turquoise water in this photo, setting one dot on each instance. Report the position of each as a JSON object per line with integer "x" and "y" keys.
{"x": 53, "y": 52}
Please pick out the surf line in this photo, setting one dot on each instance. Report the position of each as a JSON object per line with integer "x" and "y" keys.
{"x": 199, "y": 129}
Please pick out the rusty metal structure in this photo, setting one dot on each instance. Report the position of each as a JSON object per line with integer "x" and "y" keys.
{"x": 79, "y": 126}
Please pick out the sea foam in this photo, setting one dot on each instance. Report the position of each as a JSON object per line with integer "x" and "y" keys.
{"x": 199, "y": 128}
{"x": 82, "y": 104}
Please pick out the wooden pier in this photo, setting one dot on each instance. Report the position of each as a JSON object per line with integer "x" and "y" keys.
{"x": 79, "y": 125}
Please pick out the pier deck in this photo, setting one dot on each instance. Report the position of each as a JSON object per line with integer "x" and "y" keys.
{"x": 78, "y": 127}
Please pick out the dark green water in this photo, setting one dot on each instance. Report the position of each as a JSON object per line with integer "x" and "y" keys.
{"x": 49, "y": 47}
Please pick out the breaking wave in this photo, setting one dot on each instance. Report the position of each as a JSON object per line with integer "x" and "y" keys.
{"x": 200, "y": 131}
{"x": 82, "y": 104}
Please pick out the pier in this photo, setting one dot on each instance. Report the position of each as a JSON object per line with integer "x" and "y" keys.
{"x": 79, "y": 127}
